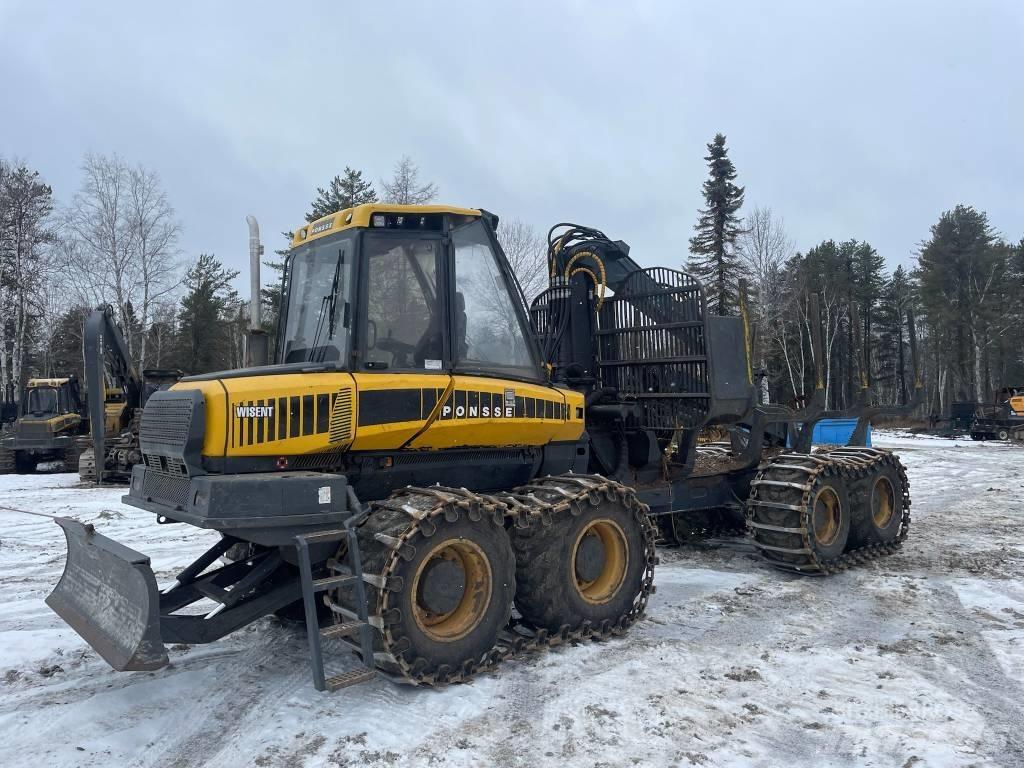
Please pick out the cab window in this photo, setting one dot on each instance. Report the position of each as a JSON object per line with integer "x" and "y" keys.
{"x": 489, "y": 336}
{"x": 404, "y": 323}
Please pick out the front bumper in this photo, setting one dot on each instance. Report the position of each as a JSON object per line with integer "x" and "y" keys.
{"x": 38, "y": 444}
{"x": 268, "y": 508}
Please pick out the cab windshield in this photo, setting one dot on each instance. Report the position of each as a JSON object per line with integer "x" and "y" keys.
{"x": 41, "y": 400}
{"x": 317, "y": 318}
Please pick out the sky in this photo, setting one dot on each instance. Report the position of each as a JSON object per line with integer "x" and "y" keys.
{"x": 849, "y": 119}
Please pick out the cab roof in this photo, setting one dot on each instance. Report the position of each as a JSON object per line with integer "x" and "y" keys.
{"x": 47, "y": 382}
{"x": 360, "y": 216}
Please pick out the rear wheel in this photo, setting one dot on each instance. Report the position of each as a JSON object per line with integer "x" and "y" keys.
{"x": 584, "y": 567}
{"x": 878, "y": 513}
{"x": 1003, "y": 434}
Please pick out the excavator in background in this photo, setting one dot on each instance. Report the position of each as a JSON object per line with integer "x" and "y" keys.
{"x": 49, "y": 419}
{"x": 114, "y": 418}
{"x": 1002, "y": 419}
{"x": 439, "y": 477}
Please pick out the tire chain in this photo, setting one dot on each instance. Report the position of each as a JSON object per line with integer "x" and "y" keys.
{"x": 851, "y": 463}
{"x": 534, "y": 504}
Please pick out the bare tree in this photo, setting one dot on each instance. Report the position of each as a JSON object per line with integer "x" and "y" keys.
{"x": 123, "y": 244}
{"x": 154, "y": 235}
{"x": 405, "y": 188}
{"x": 526, "y": 252}
{"x": 99, "y": 220}
{"x": 765, "y": 248}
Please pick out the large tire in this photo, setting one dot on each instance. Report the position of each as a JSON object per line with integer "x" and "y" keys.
{"x": 583, "y": 567}
{"x": 446, "y": 594}
{"x": 800, "y": 518}
{"x": 8, "y": 465}
{"x": 878, "y": 508}
{"x": 71, "y": 457}
{"x": 25, "y": 464}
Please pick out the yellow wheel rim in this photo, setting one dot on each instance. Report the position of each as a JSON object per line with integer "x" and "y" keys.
{"x": 883, "y": 502}
{"x": 474, "y": 571}
{"x": 612, "y": 573}
{"x": 827, "y": 516}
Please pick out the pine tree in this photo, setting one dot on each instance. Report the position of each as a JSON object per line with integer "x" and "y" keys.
{"x": 892, "y": 346}
{"x": 207, "y": 311}
{"x": 713, "y": 253}
{"x": 342, "y": 192}
{"x": 956, "y": 271}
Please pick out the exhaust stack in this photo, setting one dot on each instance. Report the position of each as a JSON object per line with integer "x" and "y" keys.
{"x": 257, "y": 347}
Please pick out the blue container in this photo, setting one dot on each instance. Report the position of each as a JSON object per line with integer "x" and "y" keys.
{"x": 836, "y": 431}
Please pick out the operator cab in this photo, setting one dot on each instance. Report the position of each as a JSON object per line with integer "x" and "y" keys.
{"x": 45, "y": 398}
{"x": 408, "y": 289}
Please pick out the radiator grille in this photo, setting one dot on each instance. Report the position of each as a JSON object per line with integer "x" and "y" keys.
{"x": 341, "y": 417}
{"x": 167, "y": 489}
{"x": 166, "y": 422}
{"x": 651, "y": 347}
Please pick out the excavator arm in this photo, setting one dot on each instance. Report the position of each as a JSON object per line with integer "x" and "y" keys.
{"x": 107, "y": 358}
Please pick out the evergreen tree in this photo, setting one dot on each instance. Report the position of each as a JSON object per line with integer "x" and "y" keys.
{"x": 208, "y": 309}
{"x": 892, "y": 358}
{"x": 956, "y": 271}
{"x": 342, "y": 192}
{"x": 713, "y": 254}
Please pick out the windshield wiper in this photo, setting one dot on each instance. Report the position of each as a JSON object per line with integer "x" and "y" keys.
{"x": 329, "y": 303}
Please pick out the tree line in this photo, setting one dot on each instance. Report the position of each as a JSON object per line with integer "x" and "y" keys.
{"x": 966, "y": 292}
{"x": 116, "y": 240}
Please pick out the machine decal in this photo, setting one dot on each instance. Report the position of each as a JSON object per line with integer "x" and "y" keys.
{"x": 263, "y": 421}
{"x": 404, "y": 405}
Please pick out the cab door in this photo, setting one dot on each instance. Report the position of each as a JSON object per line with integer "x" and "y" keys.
{"x": 403, "y": 365}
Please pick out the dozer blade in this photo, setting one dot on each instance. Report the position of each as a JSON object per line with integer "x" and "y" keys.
{"x": 108, "y": 595}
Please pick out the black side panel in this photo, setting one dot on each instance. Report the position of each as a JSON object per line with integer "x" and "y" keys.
{"x": 732, "y": 391}
{"x": 376, "y": 475}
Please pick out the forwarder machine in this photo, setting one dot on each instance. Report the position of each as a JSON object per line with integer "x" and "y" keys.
{"x": 114, "y": 419}
{"x": 50, "y": 417}
{"x": 430, "y": 479}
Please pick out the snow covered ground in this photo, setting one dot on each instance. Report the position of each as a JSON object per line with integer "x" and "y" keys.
{"x": 917, "y": 660}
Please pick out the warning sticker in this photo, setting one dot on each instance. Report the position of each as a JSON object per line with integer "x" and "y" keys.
{"x": 324, "y": 493}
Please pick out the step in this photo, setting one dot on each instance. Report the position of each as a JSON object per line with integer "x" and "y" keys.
{"x": 352, "y": 677}
{"x": 333, "y": 582}
{"x": 322, "y": 536}
{"x": 345, "y": 629}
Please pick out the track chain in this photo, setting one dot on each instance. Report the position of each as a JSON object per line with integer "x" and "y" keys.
{"x": 850, "y": 463}
{"x": 534, "y": 504}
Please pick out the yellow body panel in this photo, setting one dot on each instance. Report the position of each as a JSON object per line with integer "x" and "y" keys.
{"x": 32, "y": 383}
{"x": 1017, "y": 404}
{"x": 359, "y": 216}
{"x": 293, "y": 414}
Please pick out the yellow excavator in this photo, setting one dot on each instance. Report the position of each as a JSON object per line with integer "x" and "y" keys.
{"x": 50, "y": 418}
{"x": 439, "y": 477}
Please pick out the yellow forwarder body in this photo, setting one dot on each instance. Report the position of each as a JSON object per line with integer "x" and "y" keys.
{"x": 295, "y": 414}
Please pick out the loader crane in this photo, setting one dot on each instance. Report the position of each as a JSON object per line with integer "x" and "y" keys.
{"x": 439, "y": 477}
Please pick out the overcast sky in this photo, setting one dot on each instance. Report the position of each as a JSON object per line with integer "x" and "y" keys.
{"x": 848, "y": 119}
